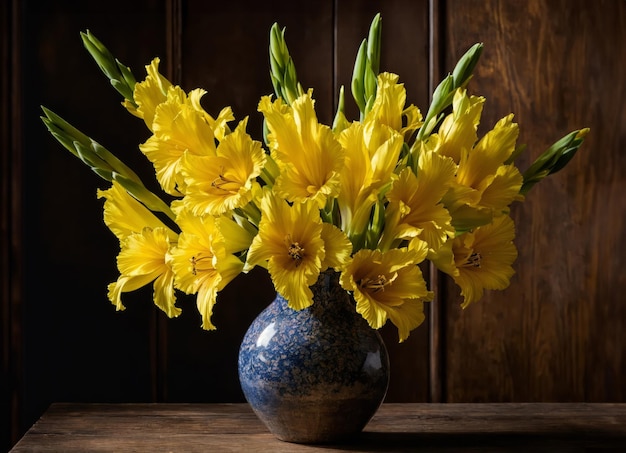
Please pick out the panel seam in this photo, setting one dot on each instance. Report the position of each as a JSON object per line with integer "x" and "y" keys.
{"x": 437, "y": 312}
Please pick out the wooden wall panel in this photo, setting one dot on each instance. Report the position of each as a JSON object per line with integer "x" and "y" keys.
{"x": 75, "y": 347}
{"x": 405, "y": 50}
{"x": 10, "y": 209}
{"x": 559, "y": 332}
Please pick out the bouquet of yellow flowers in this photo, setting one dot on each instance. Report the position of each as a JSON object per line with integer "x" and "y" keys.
{"x": 370, "y": 198}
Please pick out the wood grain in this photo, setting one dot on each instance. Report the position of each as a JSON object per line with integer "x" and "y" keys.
{"x": 559, "y": 332}
{"x": 395, "y": 428}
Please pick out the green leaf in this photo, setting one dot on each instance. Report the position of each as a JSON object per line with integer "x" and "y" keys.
{"x": 104, "y": 174}
{"x": 358, "y": 76}
{"x": 63, "y": 127}
{"x": 442, "y": 98}
{"x": 91, "y": 159}
{"x": 466, "y": 64}
{"x": 89, "y": 151}
{"x": 366, "y": 68}
{"x": 102, "y": 162}
{"x": 119, "y": 75}
{"x": 374, "y": 44}
{"x": 377, "y": 225}
{"x": 282, "y": 68}
{"x": 56, "y": 133}
{"x": 553, "y": 159}
{"x": 114, "y": 162}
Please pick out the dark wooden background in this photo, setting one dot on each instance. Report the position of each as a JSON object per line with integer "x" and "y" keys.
{"x": 558, "y": 332}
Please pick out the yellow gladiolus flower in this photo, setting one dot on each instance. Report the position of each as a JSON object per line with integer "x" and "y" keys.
{"x": 204, "y": 262}
{"x": 388, "y": 107}
{"x": 178, "y": 129}
{"x": 485, "y": 183}
{"x": 481, "y": 259}
{"x": 218, "y": 125}
{"x": 388, "y": 285}
{"x": 290, "y": 240}
{"x": 357, "y": 185}
{"x": 149, "y": 93}
{"x": 145, "y": 241}
{"x": 309, "y": 156}
{"x": 389, "y": 104}
{"x": 217, "y": 184}
{"x": 458, "y": 130}
{"x": 415, "y": 211}
{"x": 144, "y": 259}
{"x": 157, "y": 89}
{"x": 369, "y": 167}
{"x": 482, "y": 168}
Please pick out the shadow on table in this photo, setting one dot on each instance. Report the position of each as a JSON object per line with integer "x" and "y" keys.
{"x": 480, "y": 442}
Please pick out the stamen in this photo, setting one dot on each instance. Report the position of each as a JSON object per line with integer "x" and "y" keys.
{"x": 225, "y": 184}
{"x": 196, "y": 263}
{"x": 295, "y": 250}
{"x": 474, "y": 260}
{"x": 377, "y": 284}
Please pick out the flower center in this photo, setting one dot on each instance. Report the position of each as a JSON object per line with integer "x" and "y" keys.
{"x": 295, "y": 250}
{"x": 376, "y": 284}
{"x": 474, "y": 260}
{"x": 225, "y": 184}
{"x": 201, "y": 262}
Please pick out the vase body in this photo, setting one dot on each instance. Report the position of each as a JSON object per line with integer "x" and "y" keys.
{"x": 315, "y": 375}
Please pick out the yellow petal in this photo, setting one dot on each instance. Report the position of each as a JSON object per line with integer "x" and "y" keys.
{"x": 150, "y": 93}
{"x": 124, "y": 215}
{"x": 337, "y": 247}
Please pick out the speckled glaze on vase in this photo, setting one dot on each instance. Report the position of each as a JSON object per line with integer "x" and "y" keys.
{"x": 316, "y": 375}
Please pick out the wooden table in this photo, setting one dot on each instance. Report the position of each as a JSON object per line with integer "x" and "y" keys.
{"x": 534, "y": 427}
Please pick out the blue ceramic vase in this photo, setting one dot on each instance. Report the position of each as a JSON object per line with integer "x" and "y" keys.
{"x": 316, "y": 375}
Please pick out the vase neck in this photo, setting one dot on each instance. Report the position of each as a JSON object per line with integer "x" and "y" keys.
{"x": 327, "y": 291}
